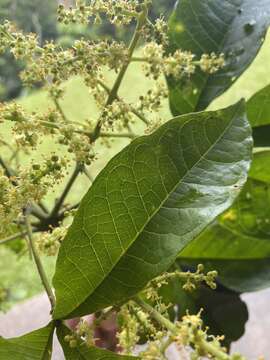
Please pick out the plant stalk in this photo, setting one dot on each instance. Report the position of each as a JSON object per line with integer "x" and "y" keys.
{"x": 114, "y": 91}
{"x": 12, "y": 237}
{"x": 41, "y": 271}
{"x": 206, "y": 346}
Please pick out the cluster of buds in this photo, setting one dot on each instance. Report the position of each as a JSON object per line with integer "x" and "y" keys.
{"x": 29, "y": 130}
{"x": 178, "y": 64}
{"x": 84, "y": 333}
{"x": 191, "y": 332}
{"x": 51, "y": 168}
{"x": 48, "y": 243}
{"x": 157, "y": 31}
{"x": 133, "y": 322}
{"x": 129, "y": 327}
{"x": 72, "y": 340}
{"x": 29, "y": 185}
{"x": 10, "y": 204}
{"x": 19, "y": 44}
{"x": 117, "y": 115}
{"x": 153, "y": 351}
{"x": 54, "y": 65}
{"x": 191, "y": 279}
{"x": 26, "y": 127}
{"x": 212, "y": 63}
{"x": 120, "y": 12}
{"x": 152, "y": 101}
{"x": 78, "y": 144}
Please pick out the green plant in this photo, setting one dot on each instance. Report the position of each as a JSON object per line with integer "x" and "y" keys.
{"x": 167, "y": 209}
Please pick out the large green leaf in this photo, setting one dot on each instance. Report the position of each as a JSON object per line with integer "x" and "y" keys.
{"x": 82, "y": 352}
{"x": 258, "y": 110}
{"x": 223, "y": 310}
{"x": 233, "y": 27}
{"x": 36, "y": 345}
{"x": 149, "y": 202}
{"x": 238, "y": 244}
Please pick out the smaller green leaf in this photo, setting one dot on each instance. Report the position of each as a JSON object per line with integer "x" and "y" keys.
{"x": 236, "y": 28}
{"x": 258, "y": 111}
{"x": 223, "y": 310}
{"x": 260, "y": 167}
{"x": 237, "y": 245}
{"x": 261, "y": 136}
{"x": 258, "y": 108}
{"x": 36, "y": 345}
{"x": 82, "y": 352}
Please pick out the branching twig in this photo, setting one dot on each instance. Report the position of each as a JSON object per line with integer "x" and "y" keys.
{"x": 60, "y": 201}
{"x": 207, "y": 347}
{"x": 114, "y": 91}
{"x": 133, "y": 110}
{"x": 12, "y": 237}
{"x": 8, "y": 171}
{"x": 41, "y": 271}
{"x": 117, "y": 135}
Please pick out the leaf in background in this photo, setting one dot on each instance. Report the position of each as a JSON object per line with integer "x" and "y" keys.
{"x": 258, "y": 110}
{"x": 36, "y": 345}
{"x": 236, "y": 28}
{"x": 147, "y": 204}
{"x": 223, "y": 310}
{"x": 82, "y": 352}
{"x": 238, "y": 243}
{"x": 17, "y": 246}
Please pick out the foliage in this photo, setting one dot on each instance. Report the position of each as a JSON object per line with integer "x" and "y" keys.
{"x": 138, "y": 229}
{"x": 106, "y": 30}
{"x": 35, "y": 345}
{"x": 235, "y": 29}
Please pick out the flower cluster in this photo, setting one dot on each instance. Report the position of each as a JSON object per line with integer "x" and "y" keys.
{"x": 117, "y": 115}
{"x": 157, "y": 31}
{"x": 29, "y": 185}
{"x": 29, "y": 131}
{"x": 128, "y": 334}
{"x": 83, "y": 332}
{"x": 54, "y": 65}
{"x": 48, "y": 243}
{"x": 212, "y": 63}
{"x": 26, "y": 128}
{"x": 120, "y": 12}
{"x": 9, "y": 204}
{"x": 191, "y": 332}
{"x": 191, "y": 279}
{"x": 178, "y": 64}
{"x": 19, "y": 44}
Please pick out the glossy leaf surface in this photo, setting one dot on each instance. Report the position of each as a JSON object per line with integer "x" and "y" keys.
{"x": 258, "y": 110}
{"x": 148, "y": 203}
{"x": 238, "y": 244}
{"x": 36, "y": 345}
{"x": 82, "y": 352}
{"x": 233, "y": 27}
